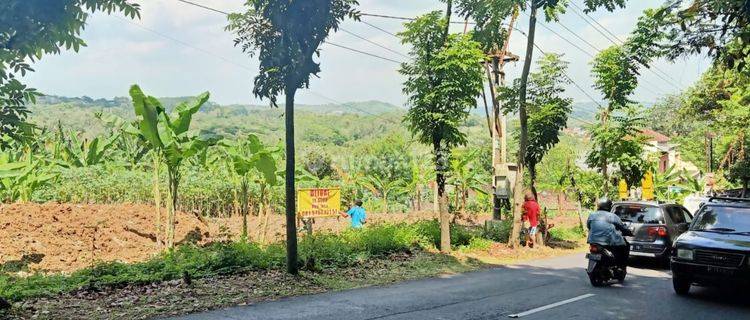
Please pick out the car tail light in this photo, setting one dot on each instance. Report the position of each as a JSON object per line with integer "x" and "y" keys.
{"x": 657, "y": 231}
{"x": 593, "y": 248}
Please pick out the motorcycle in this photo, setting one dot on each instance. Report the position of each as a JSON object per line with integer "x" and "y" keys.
{"x": 603, "y": 266}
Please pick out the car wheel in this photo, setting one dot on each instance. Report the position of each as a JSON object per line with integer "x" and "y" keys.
{"x": 681, "y": 285}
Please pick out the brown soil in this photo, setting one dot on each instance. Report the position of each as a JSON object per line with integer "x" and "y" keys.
{"x": 56, "y": 237}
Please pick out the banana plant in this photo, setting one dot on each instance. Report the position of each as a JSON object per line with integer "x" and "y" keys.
{"x": 465, "y": 177}
{"x": 84, "y": 153}
{"x": 249, "y": 157}
{"x": 384, "y": 188}
{"x": 170, "y": 140}
{"x": 19, "y": 179}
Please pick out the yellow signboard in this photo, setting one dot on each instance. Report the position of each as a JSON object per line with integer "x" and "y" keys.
{"x": 318, "y": 202}
{"x": 622, "y": 189}
{"x": 648, "y": 186}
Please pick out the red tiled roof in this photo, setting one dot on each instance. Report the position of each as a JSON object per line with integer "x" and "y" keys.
{"x": 654, "y": 136}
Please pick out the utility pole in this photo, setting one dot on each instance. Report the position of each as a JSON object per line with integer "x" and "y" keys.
{"x": 496, "y": 77}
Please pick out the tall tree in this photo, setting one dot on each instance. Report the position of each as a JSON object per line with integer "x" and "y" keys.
{"x": 548, "y": 110}
{"x": 442, "y": 82}
{"x": 29, "y": 30}
{"x": 286, "y": 35}
{"x": 615, "y": 137}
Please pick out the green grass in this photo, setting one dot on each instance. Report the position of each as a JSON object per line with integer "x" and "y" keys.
{"x": 574, "y": 233}
{"x": 327, "y": 250}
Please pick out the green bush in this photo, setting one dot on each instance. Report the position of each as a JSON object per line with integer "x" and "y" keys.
{"x": 567, "y": 234}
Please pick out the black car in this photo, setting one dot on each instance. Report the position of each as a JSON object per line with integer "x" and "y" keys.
{"x": 654, "y": 226}
{"x": 715, "y": 250}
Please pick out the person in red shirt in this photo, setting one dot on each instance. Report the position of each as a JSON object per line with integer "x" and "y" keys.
{"x": 530, "y": 214}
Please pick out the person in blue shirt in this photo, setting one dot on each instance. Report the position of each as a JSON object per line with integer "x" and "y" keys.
{"x": 357, "y": 214}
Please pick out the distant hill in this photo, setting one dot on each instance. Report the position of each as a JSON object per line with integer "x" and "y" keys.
{"x": 363, "y": 108}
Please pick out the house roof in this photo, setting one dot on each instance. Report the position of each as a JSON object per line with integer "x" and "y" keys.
{"x": 652, "y": 135}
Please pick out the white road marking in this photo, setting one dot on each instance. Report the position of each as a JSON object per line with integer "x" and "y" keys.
{"x": 550, "y": 306}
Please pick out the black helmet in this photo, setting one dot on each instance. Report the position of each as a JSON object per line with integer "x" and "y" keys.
{"x": 604, "y": 204}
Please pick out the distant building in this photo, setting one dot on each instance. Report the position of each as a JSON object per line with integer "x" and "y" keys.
{"x": 660, "y": 144}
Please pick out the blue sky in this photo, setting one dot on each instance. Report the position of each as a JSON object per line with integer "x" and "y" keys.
{"x": 178, "y": 50}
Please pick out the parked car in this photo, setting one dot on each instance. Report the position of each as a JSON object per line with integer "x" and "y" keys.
{"x": 654, "y": 226}
{"x": 716, "y": 248}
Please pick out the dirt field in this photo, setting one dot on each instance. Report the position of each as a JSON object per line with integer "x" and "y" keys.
{"x": 66, "y": 237}
{"x": 56, "y": 237}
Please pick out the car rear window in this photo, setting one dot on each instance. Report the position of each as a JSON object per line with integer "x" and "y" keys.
{"x": 723, "y": 219}
{"x": 638, "y": 213}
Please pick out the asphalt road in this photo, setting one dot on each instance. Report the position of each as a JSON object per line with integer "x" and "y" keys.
{"x": 557, "y": 285}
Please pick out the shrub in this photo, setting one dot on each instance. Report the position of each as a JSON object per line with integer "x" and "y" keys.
{"x": 574, "y": 233}
{"x": 329, "y": 251}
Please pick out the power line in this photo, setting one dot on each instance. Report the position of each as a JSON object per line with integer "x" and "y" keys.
{"x": 617, "y": 41}
{"x": 183, "y": 43}
{"x": 385, "y": 16}
{"x": 328, "y": 42}
{"x": 543, "y": 25}
{"x": 379, "y": 28}
{"x": 363, "y": 52}
{"x": 374, "y": 43}
{"x": 204, "y": 7}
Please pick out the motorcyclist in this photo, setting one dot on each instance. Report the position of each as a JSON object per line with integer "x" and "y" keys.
{"x": 603, "y": 228}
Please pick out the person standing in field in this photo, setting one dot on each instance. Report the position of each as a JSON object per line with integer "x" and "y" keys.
{"x": 357, "y": 214}
{"x": 530, "y": 214}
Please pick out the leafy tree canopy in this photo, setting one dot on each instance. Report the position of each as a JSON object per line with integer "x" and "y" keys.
{"x": 615, "y": 76}
{"x": 682, "y": 27}
{"x": 442, "y": 83}
{"x": 30, "y": 29}
{"x": 548, "y": 110}
{"x": 286, "y": 35}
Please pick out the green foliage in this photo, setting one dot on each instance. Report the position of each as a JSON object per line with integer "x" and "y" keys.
{"x": 575, "y": 233}
{"x": 19, "y": 178}
{"x": 286, "y": 35}
{"x": 682, "y": 27}
{"x": 442, "y": 82}
{"x": 489, "y": 16}
{"x": 329, "y": 251}
{"x": 615, "y": 76}
{"x": 31, "y": 29}
{"x": 615, "y": 138}
{"x": 548, "y": 111}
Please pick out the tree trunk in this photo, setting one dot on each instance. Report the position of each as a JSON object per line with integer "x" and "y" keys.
{"x": 532, "y": 178}
{"x": 518, "y": 189}
{"x": 157, "y": 199}
{"x": 419, "y": 199}
{"x": 261, "y": 212}
{"x": 385, "y": 202}
{"x": 448, "y": 13}
{"x": 291, "y": 222}
{"x": 174, "y": 180}
{"x": 244, "y": 207}
{"x": 559, "y": 202}
{"x": 744, "y": 187}
{"x": 441, "y": 166}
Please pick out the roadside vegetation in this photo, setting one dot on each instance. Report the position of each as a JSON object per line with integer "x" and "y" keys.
{"x": 185, "y": 158}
